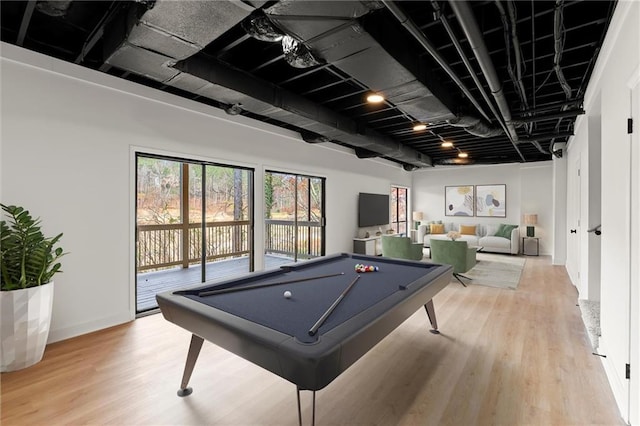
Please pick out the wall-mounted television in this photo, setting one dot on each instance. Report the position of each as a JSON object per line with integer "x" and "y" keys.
{"x": 373, "y": 209}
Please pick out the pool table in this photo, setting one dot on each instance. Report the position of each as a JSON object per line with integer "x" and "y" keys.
{"x": 251, "y": 317}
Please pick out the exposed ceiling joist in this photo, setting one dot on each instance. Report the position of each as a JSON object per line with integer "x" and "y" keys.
{"x": 423, "y": 63}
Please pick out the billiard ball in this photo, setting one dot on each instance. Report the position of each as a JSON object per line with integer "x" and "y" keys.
{"x": 287, "y": 294}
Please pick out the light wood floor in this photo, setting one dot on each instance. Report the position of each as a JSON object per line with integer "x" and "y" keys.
{"x": 504, "y": 357}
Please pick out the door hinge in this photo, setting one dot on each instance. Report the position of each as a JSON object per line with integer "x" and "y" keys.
{"x": 629, "y": 125}
{"x": 627, "y": 373}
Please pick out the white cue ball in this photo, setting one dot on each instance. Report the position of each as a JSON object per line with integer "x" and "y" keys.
{"x": 287, "y": 294}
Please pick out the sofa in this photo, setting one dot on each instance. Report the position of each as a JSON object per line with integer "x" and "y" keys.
{"x": 491, "y": 237}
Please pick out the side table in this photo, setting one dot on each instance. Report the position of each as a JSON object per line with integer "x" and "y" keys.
{"x": 524, "y": 247}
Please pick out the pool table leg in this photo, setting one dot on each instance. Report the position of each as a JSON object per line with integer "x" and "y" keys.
{"x": 431, "y": 313}
{"x": 313, "y": 409}
{"x": 192, "y": 357}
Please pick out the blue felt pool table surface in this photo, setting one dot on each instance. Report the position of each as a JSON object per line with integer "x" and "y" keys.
{"x": 263, "y": 326}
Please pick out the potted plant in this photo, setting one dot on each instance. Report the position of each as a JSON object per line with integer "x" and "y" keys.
{"x": 28, "y": 262}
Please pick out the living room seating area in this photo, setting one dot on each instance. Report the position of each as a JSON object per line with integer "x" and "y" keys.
{"x": 497, "y": 238}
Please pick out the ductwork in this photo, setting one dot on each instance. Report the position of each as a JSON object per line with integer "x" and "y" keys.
{"x": 333, "y": 31}
{"x": 53, "y": 8}
{"x": 297, "y": 54}
{"x": 150, "y": 38}
{"x": 261, "y": 28}
{"x": 157, "y": 42}
{"x": 267, "y": 99}
{"x": 475, "y": 126}
{"x": 417, "y": 33}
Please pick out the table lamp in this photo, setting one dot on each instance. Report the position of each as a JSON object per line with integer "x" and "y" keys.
{"x": 530, "y": 220}
{"x": 417, "y": 218}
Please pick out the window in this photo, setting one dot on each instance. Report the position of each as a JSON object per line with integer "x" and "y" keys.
{"x": 399, "y": 209}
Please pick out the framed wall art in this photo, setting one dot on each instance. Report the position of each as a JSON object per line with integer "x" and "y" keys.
{"x": 458, "y": 200}
{"x": 491, "y": 200}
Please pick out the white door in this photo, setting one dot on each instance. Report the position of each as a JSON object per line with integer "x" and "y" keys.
{"x": 573, "y": 223}
{"x": 634, "y": 353}
{"x": 617, "y": 220}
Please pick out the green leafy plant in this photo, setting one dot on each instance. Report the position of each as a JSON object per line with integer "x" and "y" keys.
{"x": 27, "y": 257}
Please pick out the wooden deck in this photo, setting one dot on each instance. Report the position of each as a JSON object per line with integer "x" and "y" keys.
{"x": 151, "y": 283}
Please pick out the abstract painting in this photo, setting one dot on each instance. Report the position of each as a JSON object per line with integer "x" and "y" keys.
{"x": 458, "y": 200}
{"x": 491, "y": 200}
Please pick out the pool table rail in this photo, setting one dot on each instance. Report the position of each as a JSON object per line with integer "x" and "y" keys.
{"x": 310, "y": 366}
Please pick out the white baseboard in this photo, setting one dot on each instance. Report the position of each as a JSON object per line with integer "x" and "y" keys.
{"x": 88, "y": 327}
{"x": 617, "y": 386}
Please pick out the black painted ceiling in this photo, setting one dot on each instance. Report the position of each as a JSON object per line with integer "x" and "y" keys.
{"x": 425, "y": 57}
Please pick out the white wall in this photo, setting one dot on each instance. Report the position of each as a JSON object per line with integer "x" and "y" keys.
{"x": 68, "y": 137}
{"x": 529, "y": 190}
{"x": 559, "y": 256}
{"x": 608, "y": 105}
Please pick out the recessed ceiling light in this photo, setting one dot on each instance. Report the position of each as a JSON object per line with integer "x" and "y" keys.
{"x": 446, "y": 144}
{"x": 375, "y": 98}
{"x": 419, "y": 127}
{"x": 463, "y": 155}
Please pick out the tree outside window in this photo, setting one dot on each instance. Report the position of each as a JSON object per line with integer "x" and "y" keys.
{"x": 399, "y": 209}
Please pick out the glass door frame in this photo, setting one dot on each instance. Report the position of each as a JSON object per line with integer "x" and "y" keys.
{"x": 184, "y": 164}
{"x": 296, "y": 221}
{"x": 394, "y": 206}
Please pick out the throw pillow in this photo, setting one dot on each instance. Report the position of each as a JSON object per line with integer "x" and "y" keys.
{"x": 437, "y": 228}
{"x": 505, "y": 230}
{"x": 468, "y": 229}
{"x": 428, "y": 230}
{"x": 491, "y": 230}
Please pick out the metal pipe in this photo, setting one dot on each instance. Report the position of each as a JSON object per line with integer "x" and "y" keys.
{"x": 558, "y": 44}
{"x": 518, "y": 52}
{"x": 419, "y": 36}
{"x": 468, "y": 23}
{"x": 543, "y": 117}
{"x": 467, "y": 63}
{"x": 547, "y": 136}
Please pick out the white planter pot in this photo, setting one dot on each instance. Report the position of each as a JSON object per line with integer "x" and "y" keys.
{"x": 25, "y": 317}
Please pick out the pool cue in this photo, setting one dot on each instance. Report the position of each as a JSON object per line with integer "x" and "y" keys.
{"x": 250, "y": 287}
{"x": 324, "y": 316}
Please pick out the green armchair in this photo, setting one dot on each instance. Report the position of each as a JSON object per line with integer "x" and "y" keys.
{"x": 455, "y": 253}
{"x": 401, "y": 248}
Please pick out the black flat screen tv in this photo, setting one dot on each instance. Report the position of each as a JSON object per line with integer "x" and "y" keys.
{"x": 373, "y": 209}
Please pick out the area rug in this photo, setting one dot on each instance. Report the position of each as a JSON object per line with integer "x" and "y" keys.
{"x": 590, "y": 311}
{"x": 496, "y": 270}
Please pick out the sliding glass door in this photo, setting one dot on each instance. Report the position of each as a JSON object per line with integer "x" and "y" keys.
{"x": 294, "y": 217}
{"x": 193, "y": 224}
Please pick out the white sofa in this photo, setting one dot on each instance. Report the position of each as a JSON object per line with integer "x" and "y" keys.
{"x": 484, "y": 237}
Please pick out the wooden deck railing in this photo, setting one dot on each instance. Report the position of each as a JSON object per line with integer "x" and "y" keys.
{"x": 281, "y": 238}
{"x": 160, "y": 246}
